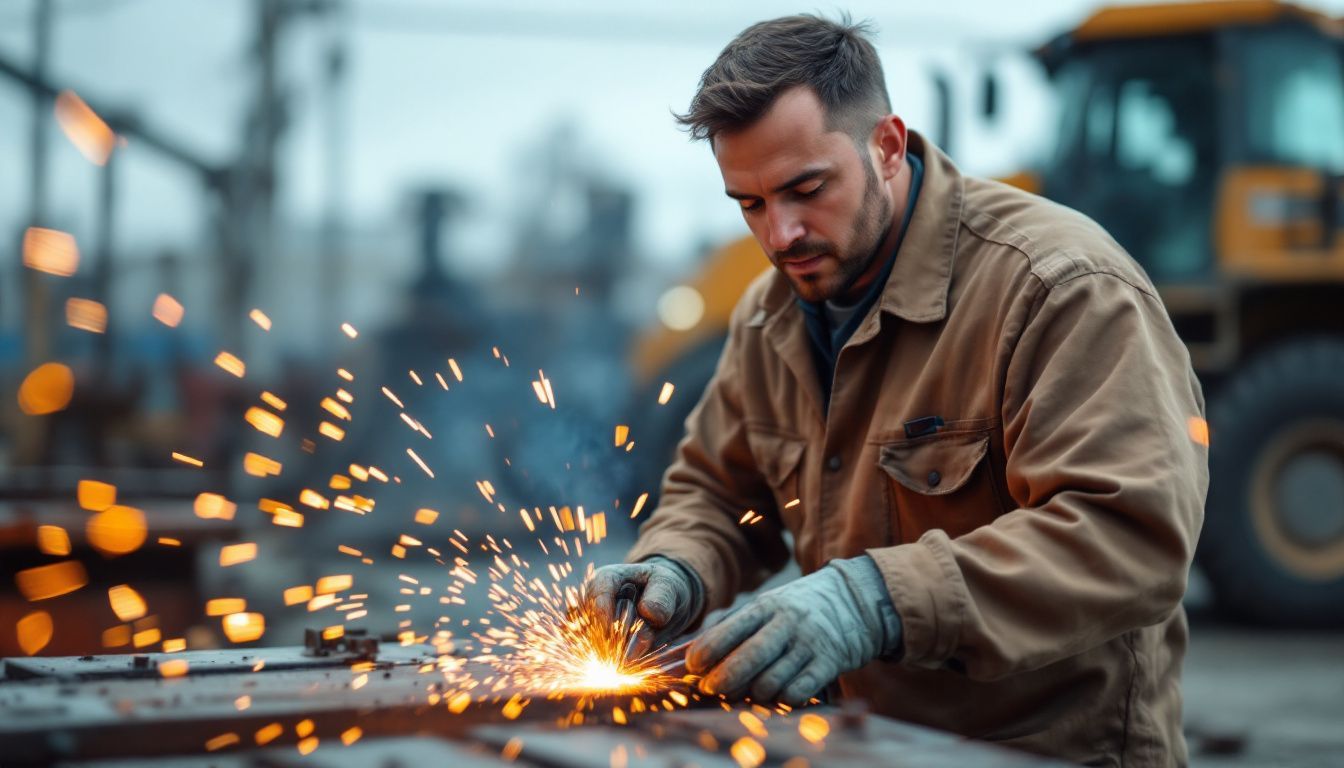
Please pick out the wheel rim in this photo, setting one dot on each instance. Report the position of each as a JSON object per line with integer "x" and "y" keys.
{"x": 1297, "y": 499}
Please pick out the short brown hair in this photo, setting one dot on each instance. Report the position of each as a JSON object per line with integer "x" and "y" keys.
{"x": 834, "y": 59}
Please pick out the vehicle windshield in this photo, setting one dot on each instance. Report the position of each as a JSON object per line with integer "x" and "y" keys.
{"x": 1138, "y": 148}
{"x": 1294, "y": 99}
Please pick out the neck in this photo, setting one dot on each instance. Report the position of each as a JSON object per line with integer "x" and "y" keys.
{"x": 898, "y": 193}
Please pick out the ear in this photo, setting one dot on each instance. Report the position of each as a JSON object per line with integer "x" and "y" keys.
{"x": 889, "y": 146}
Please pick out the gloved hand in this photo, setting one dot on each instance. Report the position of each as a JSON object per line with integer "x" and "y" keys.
{"x": 790, "y": 642}
{"x": 670, "y": 597}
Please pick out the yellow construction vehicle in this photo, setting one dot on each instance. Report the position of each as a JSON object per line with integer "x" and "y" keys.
{"x": 1208, "y": 138}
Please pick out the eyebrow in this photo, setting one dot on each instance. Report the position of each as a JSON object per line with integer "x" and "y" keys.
{"x": 805, "y": 176}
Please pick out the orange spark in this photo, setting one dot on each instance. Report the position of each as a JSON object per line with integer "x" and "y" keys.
{"x": 34, "y": 631}
{"x": 51, "y": 251}
{"x": 223, "y": 606}
{"x": 230, "y": 363}
{"x": 53, "y": 540}
{"x": 234, "y": 554}
{"x": 93, "y": 137}
{"x": 185, "y": 459}
{"x": 212, "y": 506}
{"x": 421, "y": 462}
{"x": 47, "y": 581}
{"x": 243, "y": 627}
{"x": 85, "y": 315}
{"x": 126, "y": 602}
{"x": 95, "y": 496}
{"x": 117, "y": 530}
{"x": 47, "y": 389}
{"x": 167, "y": 310}
{"x": 259, "y": 466}
{"x": 264, "y": 421}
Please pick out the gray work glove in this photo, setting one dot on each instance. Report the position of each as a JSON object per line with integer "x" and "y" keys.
{"x": 790, "y": 642}
{"x": 670, "y": 597}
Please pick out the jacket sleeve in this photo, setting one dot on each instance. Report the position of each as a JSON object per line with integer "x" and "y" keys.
{"x": 712, "y": 482}
{"x": 1107, "y": 461}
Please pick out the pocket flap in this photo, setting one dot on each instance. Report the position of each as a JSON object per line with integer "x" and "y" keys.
{"x": 776, "y": 456}
{"x": 935, "y": 467}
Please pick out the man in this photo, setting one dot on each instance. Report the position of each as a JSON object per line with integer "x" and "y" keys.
{"x": 967, "y": 406}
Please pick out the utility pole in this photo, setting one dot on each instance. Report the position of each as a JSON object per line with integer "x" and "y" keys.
{"x": 36, "y": 306}
{"x": 102, "y": 265}
{"x": 31, "y": 433}
{"x": 332, "y": 270}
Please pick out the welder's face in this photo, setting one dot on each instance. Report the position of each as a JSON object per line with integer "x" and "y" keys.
{"x": 810, "y": 196}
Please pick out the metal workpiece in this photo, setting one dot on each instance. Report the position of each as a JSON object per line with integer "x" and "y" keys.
{"x": 283, "y": 706}
{"x": 127, "y": 666}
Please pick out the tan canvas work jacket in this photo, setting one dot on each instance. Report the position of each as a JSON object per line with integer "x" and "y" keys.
{"x": 1016, "y": 437}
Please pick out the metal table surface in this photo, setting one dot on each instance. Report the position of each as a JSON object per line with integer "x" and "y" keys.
{"x": 118, "y": 710}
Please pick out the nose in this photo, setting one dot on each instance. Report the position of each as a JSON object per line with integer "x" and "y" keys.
{"x": 783, "y": 228}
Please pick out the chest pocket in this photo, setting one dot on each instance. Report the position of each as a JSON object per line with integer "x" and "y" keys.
{"x": 778, "y": 457}
{"x": 942, "y": 481}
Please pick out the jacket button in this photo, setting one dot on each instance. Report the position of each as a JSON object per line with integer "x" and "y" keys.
{"x": 935, "y": 479}
{"x": 833, "y": 463}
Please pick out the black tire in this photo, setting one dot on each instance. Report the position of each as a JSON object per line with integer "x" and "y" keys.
{"x": 1273, "y": 540}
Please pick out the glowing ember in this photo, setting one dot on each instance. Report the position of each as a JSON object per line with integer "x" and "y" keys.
{"x": 86, "y": 315}
{"x": 47, "y": 389}
{"x": 117, "y": 530}
{"x": 264, "y": 421}
{"x": 94, "y": 139}
{"x": 269, "y": 733}
{"x": 168, "y": 310}
{"x": 747, "y": 752}
{"x": 222, "y": 606}
{"x": 212, "y": 506}
{"x": 639, "y": 505}
{"x": 260, "y": 466}
{"x": 34, "y": 631}
{"x": 230, "y": 362}
{"x": 559, "y": 646}
{"x": 53, "y": 540}
{"x": 243, "y": 627}
{"x": 95, "y": 496}
{"x": 233, "y": 554}
{"x": 126, "y": 602}
{"x": 185, "y": 459}
{"x": 51, "y": 251}
{"x": 814, "y": 728}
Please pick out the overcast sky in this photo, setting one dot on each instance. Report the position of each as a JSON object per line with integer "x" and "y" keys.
{"x": 457, "y": 92}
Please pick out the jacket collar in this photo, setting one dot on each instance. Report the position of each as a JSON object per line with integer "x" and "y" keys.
{"x": 916, "y": 290}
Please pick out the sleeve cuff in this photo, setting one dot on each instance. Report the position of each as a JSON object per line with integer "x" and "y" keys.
{"x": 928, "y": 595}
